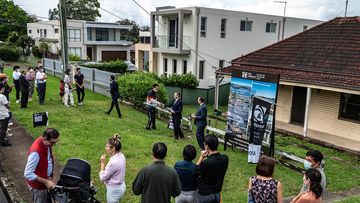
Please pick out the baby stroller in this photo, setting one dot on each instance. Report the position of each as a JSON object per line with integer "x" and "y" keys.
{"x": 74, "y": 184}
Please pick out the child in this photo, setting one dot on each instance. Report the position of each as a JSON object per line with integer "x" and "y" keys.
{"x": 62, "y": 90}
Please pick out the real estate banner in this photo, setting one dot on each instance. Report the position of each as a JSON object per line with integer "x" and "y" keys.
{"x": 252, "y": 93}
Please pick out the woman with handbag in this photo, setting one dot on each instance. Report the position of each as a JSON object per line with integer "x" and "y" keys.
{"x": 263, "y": 187}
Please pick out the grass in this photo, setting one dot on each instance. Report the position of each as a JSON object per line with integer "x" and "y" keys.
{"x": 354, "y": 199}
{"x": 85, "y": 129}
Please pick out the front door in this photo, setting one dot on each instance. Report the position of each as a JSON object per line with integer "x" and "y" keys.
{"x": 89, "y": 53}
{"x": 298, "y": 105}
{"x": 173, "y": 33}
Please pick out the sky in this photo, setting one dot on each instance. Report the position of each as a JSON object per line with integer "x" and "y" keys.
{"x": 310, "y": 9}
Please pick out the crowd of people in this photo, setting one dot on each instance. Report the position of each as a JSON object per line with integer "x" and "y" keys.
{"x": 187, "y": 181}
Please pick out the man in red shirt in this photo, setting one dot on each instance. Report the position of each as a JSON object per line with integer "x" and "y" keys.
{"x": 40, "y": 165}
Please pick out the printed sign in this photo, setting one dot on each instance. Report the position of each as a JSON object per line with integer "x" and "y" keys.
{"x": 251, "y": 108}
{"x": 40, "y": 119}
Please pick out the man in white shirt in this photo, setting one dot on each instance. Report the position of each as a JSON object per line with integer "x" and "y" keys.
{"x": 4, "y": 117}
{"x": 16, "y": 76}
{"x": 41, "y": 85}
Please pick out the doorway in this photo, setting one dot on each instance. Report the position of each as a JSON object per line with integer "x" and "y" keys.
{"x": 298, "y": 105}
{"x": 173, "y": 35}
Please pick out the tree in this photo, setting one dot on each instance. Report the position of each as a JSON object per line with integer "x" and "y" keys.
{"x": 44, "y": 49}
{"x": 79, "y": 10}
{"x": 25, "y": 42}
{"x": 53, "y": 14}
{"x": 134, "y": 32}
{"x": 13, "y": 38}
{"x": 12, "y": 18}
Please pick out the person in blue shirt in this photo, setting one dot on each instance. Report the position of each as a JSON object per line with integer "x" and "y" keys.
{"x": 186, "y": 170}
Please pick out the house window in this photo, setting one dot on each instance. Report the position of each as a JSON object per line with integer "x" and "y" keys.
{"x": 75, "y": 51}
{"x": 221, "y": 63}
{"x": 102, "y": 34}
{"x": 305, "y": 27}
{"x": 350, "y": 106}
{"x": 201, "y": 69}
{"x": 246, "y": 25}
{"x": 38, "y": 31}
{"x": 174, "y": 66}
{"x": 203, "y": 27}
{"x": 30, "y": 31}
{"x": 41, "y": 33}
{"x": 184, "y": 66}
{"x": 223, "y": 28}
{"x": 45, "y": 33}
{"x": 89, "y": 36}
{"x": 56, "y": 30}
{"x": 145, "y": 40}
{"x": 165, "y": 66}
{"x": 74, "y": 35}
{"x": 270, "y": 27}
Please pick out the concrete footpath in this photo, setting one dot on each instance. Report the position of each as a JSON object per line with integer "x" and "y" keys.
{"x": 12, "y": 163}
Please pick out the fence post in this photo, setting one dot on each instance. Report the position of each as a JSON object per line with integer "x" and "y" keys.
{"x": 93, "y": 79}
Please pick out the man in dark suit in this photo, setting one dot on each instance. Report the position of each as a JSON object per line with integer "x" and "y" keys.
{"x": 114, "y": 91}
{"x": 24, "y": 89}
{"x": 200, "y": 121}
{"x": 176, "y": 110}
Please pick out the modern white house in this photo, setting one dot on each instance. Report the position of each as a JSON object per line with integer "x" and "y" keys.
{"x": 199, "y": 40}
{"x": 95, "y": 41}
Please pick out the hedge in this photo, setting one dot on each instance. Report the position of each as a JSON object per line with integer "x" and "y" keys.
{"x": 185, "y": 81}
{"x": 133, "y": 87}
{"x": 117, "y": 66}
{"x": 9, "y": 54}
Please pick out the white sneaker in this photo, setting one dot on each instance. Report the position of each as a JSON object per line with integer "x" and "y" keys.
{"x": 9, "y": 135}
{"x": 17, "y": 101}
{"x": 10, "y": 124}
{"x": 73, "y": 105}
{"x": 66, "y": 105}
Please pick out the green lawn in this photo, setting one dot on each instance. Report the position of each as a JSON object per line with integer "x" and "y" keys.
{"x": 84, "y": 130}
{"x": 354, "y": 199}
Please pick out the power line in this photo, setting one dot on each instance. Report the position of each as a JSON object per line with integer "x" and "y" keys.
{"x": 111, "y": 13}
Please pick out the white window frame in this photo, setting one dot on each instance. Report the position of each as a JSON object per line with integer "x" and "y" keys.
{"x": 223, "y": 26}
{"x": 75, "y": 51}
{"x": 203, "y": 27}
{"x": 248, "y": 25}
{"x": 272, "y": 27}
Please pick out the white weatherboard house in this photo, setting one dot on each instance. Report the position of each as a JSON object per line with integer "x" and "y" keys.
{"x": 96, "y": 41}
{"x": 218, "y": 36}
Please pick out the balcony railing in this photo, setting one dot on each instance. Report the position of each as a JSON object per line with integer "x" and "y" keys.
{"x": 172, "y": 42}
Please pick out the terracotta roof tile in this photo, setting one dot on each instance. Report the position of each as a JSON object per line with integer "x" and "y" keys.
{"x": 328, "y": 54}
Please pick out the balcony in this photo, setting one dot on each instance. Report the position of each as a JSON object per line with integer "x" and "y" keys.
{"x": 172, "y": 44}
{"x": 122, "y": 42}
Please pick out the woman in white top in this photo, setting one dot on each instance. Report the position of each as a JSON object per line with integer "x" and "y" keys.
{"x": 68, "y": 90}
{"x": 113, "y": 175}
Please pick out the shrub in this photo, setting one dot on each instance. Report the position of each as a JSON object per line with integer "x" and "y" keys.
{"x": 134, "y": 87}
{"x": 73, "y": 57}
{"x": 36, "y": 52}
{"x": 185, "y": 81}
{"x": 9, "y": 54}
{"x": 117, "y": 66}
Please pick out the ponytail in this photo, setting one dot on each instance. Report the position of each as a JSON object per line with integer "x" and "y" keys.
{"x": 115, "y": 142}
{"x": 316, "y": 189}
{"x": 315, "y": 178}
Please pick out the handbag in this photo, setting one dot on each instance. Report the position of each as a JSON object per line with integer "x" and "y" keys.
{"x": 170, "y": 124}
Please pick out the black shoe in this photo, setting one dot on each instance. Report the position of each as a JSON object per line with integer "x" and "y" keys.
{"x": 6, "y": 144}
{"x": 147, "y": 128}
{"x": 154, "y": 128}
{"x": 107, "y": 113}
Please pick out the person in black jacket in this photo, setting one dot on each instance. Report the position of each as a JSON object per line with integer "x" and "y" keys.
{"x": 176, "y": 110}
{"x": 114, "y": 91}
{"x": 24, "y": 88}
{"x": 200, "y": 121}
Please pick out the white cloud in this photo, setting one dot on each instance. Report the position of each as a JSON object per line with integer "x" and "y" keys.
{"x": 320, "y": 9}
